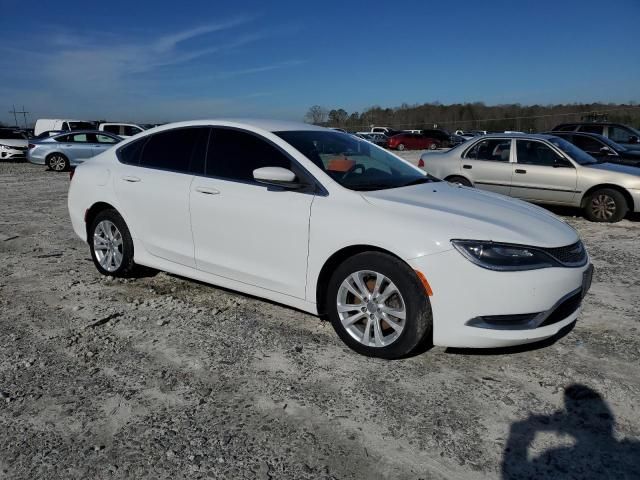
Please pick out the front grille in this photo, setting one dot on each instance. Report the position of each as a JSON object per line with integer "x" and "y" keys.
{"x": 570, "y": 256}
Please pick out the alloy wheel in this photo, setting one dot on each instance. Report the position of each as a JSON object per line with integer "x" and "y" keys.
{"x": 108, "y": 245}
{"x": 57, "y": 163}
{"x": 603, "y": 207}
{"x": 371, "y": 308}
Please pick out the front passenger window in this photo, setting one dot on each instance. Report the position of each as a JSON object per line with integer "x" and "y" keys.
{"x": 536, "y": 153}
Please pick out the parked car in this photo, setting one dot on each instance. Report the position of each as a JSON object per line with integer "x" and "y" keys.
{"x": 123, "y": 130}
{"x": 48, "y": 133}
{"x": 13, "y": 144}
{"x": 601, "y": 148}
{"x": 377, "y": 138}
{"x": 412, "y": 141}
{"x": 60, "y": 152}
{"x": 442, "y": 136}
{"x": 204, "y": 200}
{"x": 456, "y": 140}
{"x": 625, "y": 135}
{"x": 44, "y": 124}
{"x": 541, "y": 169}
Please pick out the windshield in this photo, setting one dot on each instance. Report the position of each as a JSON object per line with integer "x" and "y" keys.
{"x": 354, "y": 163}
{"x": 577, "y": 155}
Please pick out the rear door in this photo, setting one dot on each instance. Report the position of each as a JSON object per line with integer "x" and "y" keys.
{"x": 153, "y": 189}
{"x": 77, "y": 147}
{"x": 487, "y": 164}
{"x": 541, "y": 174}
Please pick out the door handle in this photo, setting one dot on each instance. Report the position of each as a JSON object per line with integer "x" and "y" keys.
{"x": 131, "y": 179}
{"x": 468, "y": 167}
{"x": 519, "y": 170}
{"x": 207, "y": 191}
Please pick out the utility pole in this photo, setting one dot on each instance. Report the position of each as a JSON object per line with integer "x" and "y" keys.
{"x": 15, "y": 115}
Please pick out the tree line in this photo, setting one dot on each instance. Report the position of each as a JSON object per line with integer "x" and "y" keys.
{"x": 474, "y": 116}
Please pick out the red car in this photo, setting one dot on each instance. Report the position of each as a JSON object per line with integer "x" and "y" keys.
{"x": 412, "y": 141}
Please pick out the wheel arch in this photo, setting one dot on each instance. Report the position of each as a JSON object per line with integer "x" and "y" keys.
{"x": 333, "y": 262}
{"x": 93, "y": 211}
{"x": 627, "y": 196}
{"x": 453, "y": 175}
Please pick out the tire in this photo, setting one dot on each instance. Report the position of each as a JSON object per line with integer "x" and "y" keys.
{"x": 58, "y": 162}
{"x": 105, "y": 222}
{"x": 459, "y": 181}
{"x": 382, "y": 339}
{"x": 606, "y": 205}
{"x": 401, "y": 147}
{"x": 433, "y": 146}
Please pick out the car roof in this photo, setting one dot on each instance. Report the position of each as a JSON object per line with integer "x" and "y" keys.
{"x": 255, "y": 123}
{"x": 539, "y": 136}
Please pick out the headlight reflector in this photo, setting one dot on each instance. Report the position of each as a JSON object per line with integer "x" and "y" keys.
{"x": 503, "y": 256}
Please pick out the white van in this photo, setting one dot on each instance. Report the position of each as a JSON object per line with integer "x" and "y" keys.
{"x": 124, "y": 130}
{"x": 46, "y": 124}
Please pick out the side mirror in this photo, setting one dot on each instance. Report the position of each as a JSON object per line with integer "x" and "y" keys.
{"x": 277, "y": 176}
{"x": 606, "y": 151}
{"x": 634, "y": 139}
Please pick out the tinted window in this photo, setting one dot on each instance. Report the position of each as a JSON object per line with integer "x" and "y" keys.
{"x": 80, "y": 126}
{"x": 536, "y": 153}
{"x": 497, "y": 150}
{"x": 587, "y": 144}
{"x": 235, "y": 155}
{"x": 12, "y": 135}
{"x": 111, "y": 129}
{"x": 130, "y": 153}
{"x": 592, "y": 129}
{"x": 105, "y": 139}
{"x": 174, "y": 149}
{"x": 63, "y": 138}
{"x": 130, "y": 131}
{"x": 565, "y": 128}
{"x": 619, "y": 134}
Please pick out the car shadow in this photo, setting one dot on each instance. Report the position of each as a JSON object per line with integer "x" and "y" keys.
{"x": 528, "y": 347}
{"x": 576, "y": 212}
{"x": 594, "y": 451}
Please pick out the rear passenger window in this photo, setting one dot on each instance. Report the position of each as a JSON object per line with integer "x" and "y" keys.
{"x": 130, "y": 153}
{"x": 234, "y": 155}
{"x": 175, "y": 150}
{"x": 496, "y": 150}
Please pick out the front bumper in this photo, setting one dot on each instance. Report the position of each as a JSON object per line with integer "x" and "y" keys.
{"x": 478, "y": 308}
{"x": 13, "y": 154}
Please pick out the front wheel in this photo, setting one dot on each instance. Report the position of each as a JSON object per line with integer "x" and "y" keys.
{"x": 401, "y": 147}
{"x": 606, "y": 205}
{"x": 111, "y": 245}
{"x": 378, "y": 306}
{"x": 433, "y": 146}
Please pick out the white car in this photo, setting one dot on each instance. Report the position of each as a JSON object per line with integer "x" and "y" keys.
{"x": 46, "y": 124}
{"x": 123, "y": 130}
{"x": 13, "y": 144}
{"x": 335, "y": 226}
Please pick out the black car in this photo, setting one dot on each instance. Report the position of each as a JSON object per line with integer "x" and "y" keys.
{"x": 624, "y": 135}
{"x": 442, "y": 136}
{"x": 601, "y": 147}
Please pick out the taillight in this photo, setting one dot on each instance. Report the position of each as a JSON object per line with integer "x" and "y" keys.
{"x": 31, "y": 145}
{"x": 421, "y": 163}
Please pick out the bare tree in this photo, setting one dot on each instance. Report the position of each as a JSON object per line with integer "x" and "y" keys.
{"x": 316, "y": 115}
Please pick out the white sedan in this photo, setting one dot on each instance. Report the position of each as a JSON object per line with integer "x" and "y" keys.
{"x": 335, "y": 226}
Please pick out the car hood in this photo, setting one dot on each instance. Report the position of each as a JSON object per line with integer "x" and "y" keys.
{"x": 467, "y": 213}
{"x": 617, "y": 168}
{"x": 11, "y": 142}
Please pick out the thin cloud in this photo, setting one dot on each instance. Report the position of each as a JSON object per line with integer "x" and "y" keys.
{"x": 263, "y": 68}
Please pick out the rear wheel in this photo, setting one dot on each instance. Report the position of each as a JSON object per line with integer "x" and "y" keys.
{"x": 111, "y": 244}
{"x": 459, "y": 181}
{"x": 606, "y": 205}
{"x": 378, "y": 306}
{"x": 433, "y": 146}
{"x": 58, "y": 162}
{"x": 401, "y": 147}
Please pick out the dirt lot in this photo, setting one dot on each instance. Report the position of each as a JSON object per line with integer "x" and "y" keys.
{"x": 161, "y": 377}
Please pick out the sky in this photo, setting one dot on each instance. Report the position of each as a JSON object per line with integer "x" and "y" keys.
{"x": 158, "y": 61}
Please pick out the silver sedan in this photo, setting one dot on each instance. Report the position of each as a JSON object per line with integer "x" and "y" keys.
{"x": 541, "y": 169}
{"x": 60, "y": 152}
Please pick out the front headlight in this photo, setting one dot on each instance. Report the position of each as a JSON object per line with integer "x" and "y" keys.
{"x": 504, "y": 256}
{"x": 5, "y": 147}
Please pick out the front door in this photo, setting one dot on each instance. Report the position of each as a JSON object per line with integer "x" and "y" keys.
{"x": 102, "y": 142}
{"x": 541, "y": 175}
{"x": 244, "y": 230}
{"x": 488, "y": 165}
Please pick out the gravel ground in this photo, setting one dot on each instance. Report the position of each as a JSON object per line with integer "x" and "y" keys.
{"x": 162, "y": 377}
